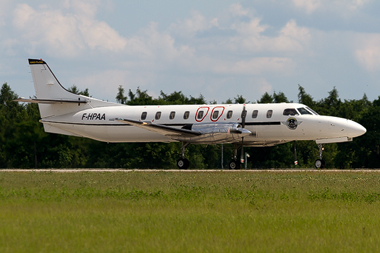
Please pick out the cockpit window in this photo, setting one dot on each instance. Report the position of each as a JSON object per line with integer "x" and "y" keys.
{"x": 303, "y": 111}
{"x": 290, "y": 111}
{"x": 312, "y": 110}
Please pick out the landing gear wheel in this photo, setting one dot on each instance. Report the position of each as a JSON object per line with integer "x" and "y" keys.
{"x": 234, "y": 165}
{"x": 183, "y": 164}
{"x": 319, "y": 164}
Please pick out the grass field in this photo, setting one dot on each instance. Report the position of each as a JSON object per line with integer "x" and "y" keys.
{"x": 190, "y": 212}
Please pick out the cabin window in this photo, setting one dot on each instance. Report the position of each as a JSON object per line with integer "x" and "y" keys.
{"x": 186, "y": 115}
{"x": 269, "y": 113}
{"x": 229, "y": 114}
{"x": 200, "y": 115}
{"x": 143, "y": 115}
{"x": 158, "y": 115}
{"x": 215, "y": 114}
{"x": 290, "y": 111}
{"x": 303, "y": 111}
{"x": 172, "y": 115}
{"x": 255, "y": 113}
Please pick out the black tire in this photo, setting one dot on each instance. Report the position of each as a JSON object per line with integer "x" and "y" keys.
{"x": 183, "y": 164}
{"x": 234, "y": 165}
{"x": 319, "y": 164}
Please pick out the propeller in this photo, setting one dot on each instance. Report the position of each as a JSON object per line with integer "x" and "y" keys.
{"x": 243, "y": 116}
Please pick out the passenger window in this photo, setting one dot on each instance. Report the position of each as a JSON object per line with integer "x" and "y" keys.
{"x": 158, "y": 115}
{"x": 255, "y": 113}
{"x": 229, "y": 114}
{"x": 186, "y": 115}
{"x": 215, "y": 114}
{"x": 172, "y": 115}
{"x": 143, "y": 115}
{"x": 303, "y": 111}
{"x": 269, "y": 113}
{"x": 290, "y": 111}
{"x": 200, "y": 115}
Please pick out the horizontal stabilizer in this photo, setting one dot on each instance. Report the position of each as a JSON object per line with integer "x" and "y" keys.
{"x": 50, "y": 101}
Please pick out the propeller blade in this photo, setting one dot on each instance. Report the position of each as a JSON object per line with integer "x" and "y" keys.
{"x": 243, "y": 116}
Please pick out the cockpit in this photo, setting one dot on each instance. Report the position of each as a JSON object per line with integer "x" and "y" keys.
{"x": 299, "y": 111}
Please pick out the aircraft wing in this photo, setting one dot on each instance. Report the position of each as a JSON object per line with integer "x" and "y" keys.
{"x": 196, "y": 133}
{"x": 161, "y": 129}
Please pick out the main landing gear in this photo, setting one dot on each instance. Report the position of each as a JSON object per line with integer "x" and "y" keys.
{"x": 320, "y": 163}
{"x": 234, "y": 163}
{"x": 183, "y": 163}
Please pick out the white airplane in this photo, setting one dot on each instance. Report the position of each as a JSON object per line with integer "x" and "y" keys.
{"x": 243, "y": 125}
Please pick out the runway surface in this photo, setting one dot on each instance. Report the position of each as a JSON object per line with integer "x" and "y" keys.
{"x": 185, "y": 171}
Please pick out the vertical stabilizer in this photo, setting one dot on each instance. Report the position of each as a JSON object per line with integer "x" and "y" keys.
{"x": 48, "y": 88}
{"x": 46, "y": 84}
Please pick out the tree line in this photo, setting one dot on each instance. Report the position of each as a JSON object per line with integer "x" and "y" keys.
{"x": 24, "y": 144}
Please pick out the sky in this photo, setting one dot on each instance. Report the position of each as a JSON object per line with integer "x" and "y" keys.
{"x": 218, "y": 48}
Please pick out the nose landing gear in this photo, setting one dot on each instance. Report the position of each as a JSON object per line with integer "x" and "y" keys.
{"x": 320, "y": 163}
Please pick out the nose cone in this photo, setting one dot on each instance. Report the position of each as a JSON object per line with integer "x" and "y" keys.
{"x": 347, "y": 127}
{"x": 355, "y": 129}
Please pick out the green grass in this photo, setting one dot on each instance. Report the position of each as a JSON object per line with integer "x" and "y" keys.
{"x": 189, "y": 212}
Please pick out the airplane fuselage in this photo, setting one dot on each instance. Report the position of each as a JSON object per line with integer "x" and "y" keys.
{"x": 269, "y": 124}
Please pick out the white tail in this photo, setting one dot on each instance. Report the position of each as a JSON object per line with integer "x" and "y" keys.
{"x": 52, "y": 98}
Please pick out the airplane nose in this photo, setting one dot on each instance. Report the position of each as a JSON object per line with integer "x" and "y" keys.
{"x": 354, "y": 129}
{"x": 346, "y": 127}
{"x": 357, "y": 129}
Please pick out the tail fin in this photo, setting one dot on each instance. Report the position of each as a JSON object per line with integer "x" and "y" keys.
{"x": 52, "y": 98}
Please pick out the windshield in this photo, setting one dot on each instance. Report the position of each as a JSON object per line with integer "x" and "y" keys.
{"x": 303, "y": 111}
{"x": 290, "y": 111}
{"x": 312, "y": 110}
{"x": 306, "y": 111}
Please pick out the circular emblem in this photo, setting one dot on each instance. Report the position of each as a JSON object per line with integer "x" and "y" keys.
{"x": 292, "y": 123}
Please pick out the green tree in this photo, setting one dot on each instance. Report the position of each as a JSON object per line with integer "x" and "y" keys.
{"x": 266, "y": 98}
{"x": 74, "y": 89}
{"x": 140, "y": 98}
{"x": 120, "y": 98}
{"x": 279, "y": 97}
{"x": 305, "y": 98}
{"x": 240, "y": 99}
